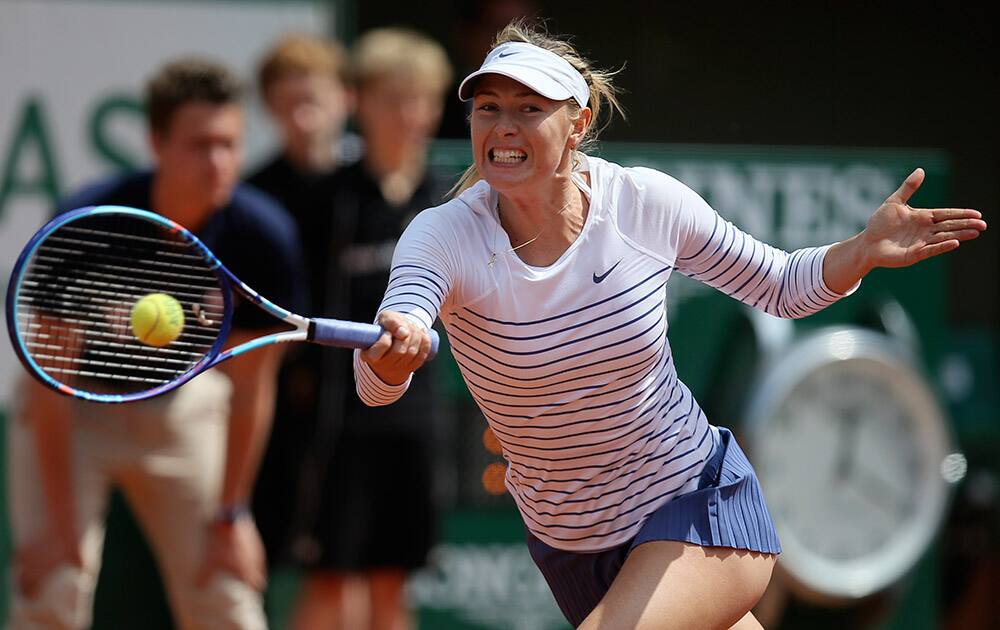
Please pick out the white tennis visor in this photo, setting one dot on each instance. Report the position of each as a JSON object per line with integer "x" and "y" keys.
{"x": 541, "y": 70}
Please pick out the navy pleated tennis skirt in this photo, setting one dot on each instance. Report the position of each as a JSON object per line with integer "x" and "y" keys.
{"x": 727, "y": 510}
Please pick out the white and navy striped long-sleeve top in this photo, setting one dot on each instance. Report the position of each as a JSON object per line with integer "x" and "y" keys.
{"x": 570, "y": 363}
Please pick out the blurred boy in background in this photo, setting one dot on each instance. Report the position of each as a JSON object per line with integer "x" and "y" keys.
{"x": 302, "y": 80}
{"x": 376, "y": 519}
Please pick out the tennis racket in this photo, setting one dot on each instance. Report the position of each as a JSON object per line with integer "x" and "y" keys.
{"x": 73, "y": 288}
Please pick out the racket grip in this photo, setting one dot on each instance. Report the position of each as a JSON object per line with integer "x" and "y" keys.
{"x": 342, "y": 334}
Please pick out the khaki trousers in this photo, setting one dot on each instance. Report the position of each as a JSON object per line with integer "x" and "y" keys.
{"x": 166, "y": 455}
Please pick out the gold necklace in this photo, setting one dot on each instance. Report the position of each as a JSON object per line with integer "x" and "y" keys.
{"x": 496, "y": 230}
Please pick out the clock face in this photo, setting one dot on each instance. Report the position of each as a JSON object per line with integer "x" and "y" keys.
{"x": 848, "y": 442}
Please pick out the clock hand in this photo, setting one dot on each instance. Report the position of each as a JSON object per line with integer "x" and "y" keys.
{"x": 881, "y": 491}
{"x": 875, "y": 500}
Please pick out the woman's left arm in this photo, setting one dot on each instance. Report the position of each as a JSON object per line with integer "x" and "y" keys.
{"x": 898, "y": 236}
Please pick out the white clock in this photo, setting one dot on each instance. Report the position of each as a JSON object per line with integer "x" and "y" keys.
{"x": 849, "y": 443}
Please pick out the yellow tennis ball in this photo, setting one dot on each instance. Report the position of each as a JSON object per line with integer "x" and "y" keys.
{"x": 157, "y": 319}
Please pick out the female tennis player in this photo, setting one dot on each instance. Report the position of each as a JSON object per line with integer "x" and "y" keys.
{"x": 548, "y": 271}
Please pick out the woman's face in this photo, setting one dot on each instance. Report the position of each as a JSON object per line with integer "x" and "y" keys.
{"x": 520, "y": 138}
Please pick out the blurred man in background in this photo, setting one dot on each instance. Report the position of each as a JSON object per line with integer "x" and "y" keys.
{"x": 185, "y": 461}
{"x": 376, "y": 520}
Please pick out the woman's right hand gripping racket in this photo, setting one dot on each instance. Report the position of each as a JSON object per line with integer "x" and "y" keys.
{"x": 114, "y": 304}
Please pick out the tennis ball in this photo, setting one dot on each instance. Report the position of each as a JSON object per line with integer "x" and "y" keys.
{"x": 157, "y": 319}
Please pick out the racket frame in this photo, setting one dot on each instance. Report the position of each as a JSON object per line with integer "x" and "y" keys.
{"x": 227, "y": 283}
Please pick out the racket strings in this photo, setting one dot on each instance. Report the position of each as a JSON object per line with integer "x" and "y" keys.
{"x": 77, "y": 311}
{"x": 74, "y": 303}
{"x": 79, "y": 322}
{"x": 96, "y": 281}
{"x": 103, "y": 339}
{"x": 102, "y": 263}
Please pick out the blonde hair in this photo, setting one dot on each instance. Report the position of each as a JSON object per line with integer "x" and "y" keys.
{"x": 603, "y": 93}
{"x": 299, "y": 53}
{"x": 391, "y": 52}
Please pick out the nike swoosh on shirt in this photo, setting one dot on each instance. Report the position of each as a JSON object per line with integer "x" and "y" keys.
{"x": 507, "y": 54}
{"x": 600, "y": 278}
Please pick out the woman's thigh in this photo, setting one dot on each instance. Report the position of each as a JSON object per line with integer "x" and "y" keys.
{"x": 669, "y": 584}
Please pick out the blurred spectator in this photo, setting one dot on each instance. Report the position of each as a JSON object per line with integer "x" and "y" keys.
{"x": 184, "y": 461}
{"x": 376, "y": 520}
{"x": 303, "y": 82}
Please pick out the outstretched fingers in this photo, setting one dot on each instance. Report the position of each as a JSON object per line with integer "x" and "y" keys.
{"x": 934, "y": 249}
{"x": 956, "y": 223}
{"x": 942, "y": 215}
{"x": 958, "y": 235}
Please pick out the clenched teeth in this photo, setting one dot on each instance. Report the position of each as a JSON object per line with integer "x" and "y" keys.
{"x": 507, "y": 156}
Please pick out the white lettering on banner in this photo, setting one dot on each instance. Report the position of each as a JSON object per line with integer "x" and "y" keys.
{"x": 791, "y": 205}
{"x": 497, "y": 585}
{"x": 785, "y": 204}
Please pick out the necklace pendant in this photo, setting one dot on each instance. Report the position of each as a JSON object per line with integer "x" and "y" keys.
{"x": 493, "y": 259}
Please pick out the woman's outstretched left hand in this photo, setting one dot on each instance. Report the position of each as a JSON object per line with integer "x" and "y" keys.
{"x": 898, "y": 235}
